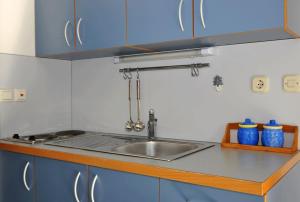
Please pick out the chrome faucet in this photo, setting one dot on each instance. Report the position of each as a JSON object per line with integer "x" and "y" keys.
{"x": 151, "y": 125}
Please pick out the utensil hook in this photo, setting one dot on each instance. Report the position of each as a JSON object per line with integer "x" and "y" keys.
{"x": 194, "y": 71}
{"x": 127, "y": 74}
{"x": 137, "y": 73}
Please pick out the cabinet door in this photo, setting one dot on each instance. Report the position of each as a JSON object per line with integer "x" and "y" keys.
{"x": 234, "y": 16}
{"x": 113, "y": 186}
{"x": 16, "y": 177}
{"x": 60, "y": 181}
{"x": 101, "y": 24}
{"x": 54, "y": 26}
{"x": 171, "y": 191}
{"x": 158, "y": 21}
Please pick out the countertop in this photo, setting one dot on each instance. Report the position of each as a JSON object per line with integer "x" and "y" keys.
{"x": 251, "y": 172}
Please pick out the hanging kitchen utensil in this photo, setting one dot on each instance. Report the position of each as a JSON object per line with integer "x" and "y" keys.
{"x": 129, "y": 124}
{"x": 139, "y": 125}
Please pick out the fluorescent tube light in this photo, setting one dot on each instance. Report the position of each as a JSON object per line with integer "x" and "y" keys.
{"x": 167, "y": 55}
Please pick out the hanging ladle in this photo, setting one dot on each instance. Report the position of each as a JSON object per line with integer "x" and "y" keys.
{"x": 139, "y": 125}
{"x": 129, "y": 124}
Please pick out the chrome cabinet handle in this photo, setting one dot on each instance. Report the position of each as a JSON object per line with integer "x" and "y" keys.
{"x": 75, "y": 187}
{"x": 93, "y": 188}
{"x": 66, "y": 33}
{"x": 24, "y": 176}
{"x": 78, "y": 31}
{"x": 180, "y": 15}
{"x": 201, "y": 14}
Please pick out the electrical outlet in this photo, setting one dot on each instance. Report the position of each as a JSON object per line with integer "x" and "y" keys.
{"x": 291, "y": 83}
{"x": 260, "y": 84}
{"x": 20, "y": 95}
{"x": 6, "y": 95}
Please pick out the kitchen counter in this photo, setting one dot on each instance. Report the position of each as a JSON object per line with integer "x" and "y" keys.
{"x": 251, "y": 172}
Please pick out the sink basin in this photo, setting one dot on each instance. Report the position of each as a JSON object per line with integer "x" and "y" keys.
{"x": 162, "y": 150}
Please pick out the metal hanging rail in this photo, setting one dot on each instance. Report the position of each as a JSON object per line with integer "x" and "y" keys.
{"x": 194, "y": 68}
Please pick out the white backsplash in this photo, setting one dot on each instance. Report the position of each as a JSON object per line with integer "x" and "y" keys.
{"x": 186, "y": 107}
{"x": 48, "y": 104}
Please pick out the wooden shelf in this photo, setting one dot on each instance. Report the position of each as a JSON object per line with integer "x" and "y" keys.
{"x": 287, "y": 129}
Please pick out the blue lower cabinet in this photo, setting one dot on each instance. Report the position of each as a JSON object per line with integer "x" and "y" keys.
{"x": 59, "y": 181}
{"x": 171, "y": 191}
{"x": 112, "y": 186}
{"x": 16, "y": 177}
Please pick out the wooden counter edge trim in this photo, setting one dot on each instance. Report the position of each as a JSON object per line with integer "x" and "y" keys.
{"x": 291, "y": 32}
{"x": 286, "y": 22}
{"x": 138, "y": 48}
{"x": 268, "y": 184}
{"x": 230, "y": 184}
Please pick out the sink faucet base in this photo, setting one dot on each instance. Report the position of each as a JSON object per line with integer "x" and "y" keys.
{"x": 151, "y": 125}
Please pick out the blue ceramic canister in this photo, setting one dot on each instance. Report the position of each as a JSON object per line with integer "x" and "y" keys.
{"x": 248, "y": 133}
{"x": 272, "y": 135}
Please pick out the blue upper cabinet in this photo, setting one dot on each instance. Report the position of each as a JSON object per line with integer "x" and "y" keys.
{"x": 219, "y": 17}
{"x": 159, "y": 21}
{"x": 60, "y": 181}
{"x": 171, "y": 191}
{"x": 112, "y": 186}
{"x": 78, "y": 29}
{"x": 100, "y": 24}
{"x": 54, "y": 27}
{"x": 16, "y": 177}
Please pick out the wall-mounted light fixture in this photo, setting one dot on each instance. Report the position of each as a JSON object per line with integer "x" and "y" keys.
{"x": 167, "y": 55}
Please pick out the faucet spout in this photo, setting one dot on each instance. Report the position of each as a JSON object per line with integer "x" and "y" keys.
{"x": 151, "y": 125}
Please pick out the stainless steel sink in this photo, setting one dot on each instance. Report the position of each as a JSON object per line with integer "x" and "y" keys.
{"x": 161, "y": 149}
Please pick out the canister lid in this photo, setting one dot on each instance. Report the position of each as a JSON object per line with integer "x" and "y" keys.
{"x": 273, "y": 125}
{"x": 248, "y": 124}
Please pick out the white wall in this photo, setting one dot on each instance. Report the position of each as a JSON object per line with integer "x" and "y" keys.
{"x": 48, "y": 104}
{"x": 17, "y": 32}
{"x": 189, "y": 108}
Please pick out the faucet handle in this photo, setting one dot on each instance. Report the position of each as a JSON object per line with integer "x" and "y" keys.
{"x": 151, "y": 115}
{"x": 151, "y": 112}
